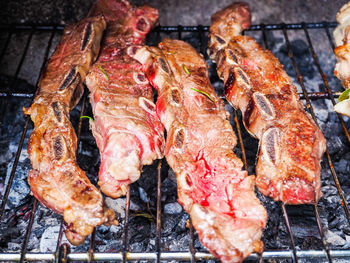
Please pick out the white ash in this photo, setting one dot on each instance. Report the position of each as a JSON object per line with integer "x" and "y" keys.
{"x": 333, "y": 238}
{"x": 48, "y": 240}
{"x": 118, "y": 205}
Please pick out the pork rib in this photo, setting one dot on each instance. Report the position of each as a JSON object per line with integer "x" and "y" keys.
{"x": 342, "y": 53}
{"x": 212, "y": 187}
{"x": 127, "y": 130}
{"x": 56, "y": 180}
{"x": 291, "y": 144}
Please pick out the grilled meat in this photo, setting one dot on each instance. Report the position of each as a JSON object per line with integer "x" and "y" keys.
{"x": 342, "y": 53}
{"x": 291, "y": 144}
{"x": 212, "y": 187}
{"x": 56, "y": 180}
{"x": 127, "y": 130}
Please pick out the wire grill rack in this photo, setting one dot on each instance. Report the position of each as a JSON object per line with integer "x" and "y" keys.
{"x": 62, "y": 253}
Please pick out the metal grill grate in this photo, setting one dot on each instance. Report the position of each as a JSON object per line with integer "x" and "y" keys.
{"x": 62, "y": 253}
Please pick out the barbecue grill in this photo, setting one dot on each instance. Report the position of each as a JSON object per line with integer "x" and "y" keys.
{"x": 282, "y": 223}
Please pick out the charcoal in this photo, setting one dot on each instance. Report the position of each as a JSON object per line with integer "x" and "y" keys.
{"x": 336, "y": 146}
{"x": 198, "y": 245}
{"x": 343, "y": 165}
{"x": 138, "y": 247}
{"x": 14, "y": 246}
{"x": 182, "y": 225}
{"x": 180, "y": 243}
{"x": 172, "y": 208}
{"x": 169, "y": 223}
{"x": 302, "y": 57}
{"x": 175, "y": 232}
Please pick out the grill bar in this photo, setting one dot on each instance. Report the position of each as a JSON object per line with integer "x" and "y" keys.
{"x": 326, "y": 28}
{"x": 169, "y": 29}
{"x": 324, "y": 78}
{"x": 159, "y": 211}
{"x": 309, "y": 106}
{"x": 285, "y": 214}
{"x": 272, "y": 254}
{"x": 92, "y": 246}
{"x": 8, "y": 38}
{"x": 320, "y": 229}
{"x": 192, "y": 249}
{"x": 315, "y": 95}
{"x": 63, "y": 254}
{"x": 14, "y": 80}
{"x": 286, "y": 219}
{"x": 29, "y": 230}
{"x": 126, "y": 225}
{"x": 20, "y": 146}
{"x": 59, "y": 240}
{"x": 241, "y": 143}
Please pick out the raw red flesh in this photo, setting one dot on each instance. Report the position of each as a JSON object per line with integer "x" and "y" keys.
{"x": 127, "y": 130}
{"x": 212, "y": 187}
{"x": 291, "y": 144}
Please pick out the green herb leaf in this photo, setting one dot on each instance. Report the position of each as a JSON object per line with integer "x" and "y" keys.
{"x": 87, "y": 117}
{"x": 345, "y": 95}
{"x": 103, "y": 71}
{"x": 186, "y": 70}
{"x": 204, "y": 93}
{"x": 145, "y": 215}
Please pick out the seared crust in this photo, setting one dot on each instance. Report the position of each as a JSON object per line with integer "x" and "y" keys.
{"x": 212, "y": 187}
{"x": 56, "y": 180}
{"x": 291, "y": 144}
{"x": 126, "y": 128}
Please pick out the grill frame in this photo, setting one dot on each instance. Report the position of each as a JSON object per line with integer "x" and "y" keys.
{"x": 62, "y": 253}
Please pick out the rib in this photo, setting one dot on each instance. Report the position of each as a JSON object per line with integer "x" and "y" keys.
{"x": 342, "y": 53}
{"x": 56, "y": 179}
{"x": 126, "y": 128}
{"x": 212, "y": 187}
{"x": 291, "y": 144}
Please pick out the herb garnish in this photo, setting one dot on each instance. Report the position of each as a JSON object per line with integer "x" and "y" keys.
{"x": 204, "y": 93}
{"x": 145, "y": 215}
{"x": 186, "y": 70}
{"x": 87, "y": 117}
{"x": 344, "y": 95}
{"x": 103, "y": 71}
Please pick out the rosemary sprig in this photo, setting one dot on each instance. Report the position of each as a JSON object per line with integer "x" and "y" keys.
{"x": 145, "y": 215}
{"x": 344, "y": 95}
{"x": 87, "y": 117}
{"x": 186, "y": 70}
{"x": 204, "y": 93}
{"x": 103, "y": 71}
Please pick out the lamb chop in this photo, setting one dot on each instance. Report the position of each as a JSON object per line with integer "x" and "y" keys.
{"x": 212, "y": 187}
{"x": 56, "y": 179}
{"x": 342, "y": 53}
{"x": 126, "y": 128}
{"x": 291, "y": 144}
